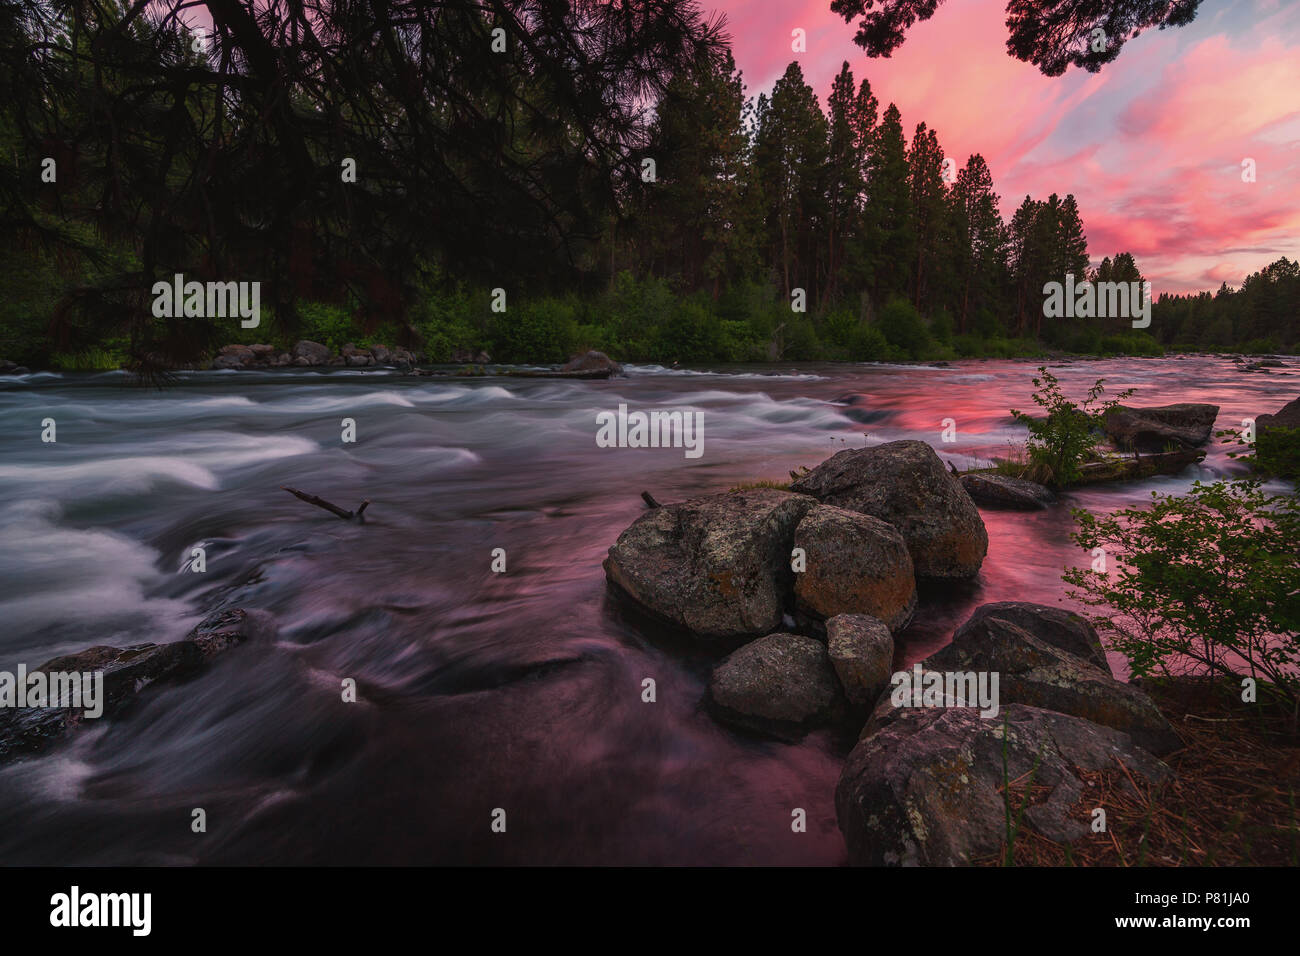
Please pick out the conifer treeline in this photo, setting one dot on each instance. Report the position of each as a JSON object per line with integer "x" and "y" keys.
{"x": 513, "y": 150}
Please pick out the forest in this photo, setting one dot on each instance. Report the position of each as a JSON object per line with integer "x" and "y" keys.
{"x": 382, "y": 168}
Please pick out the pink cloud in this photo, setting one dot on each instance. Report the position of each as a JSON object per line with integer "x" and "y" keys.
{"x": 1151, "y": 146}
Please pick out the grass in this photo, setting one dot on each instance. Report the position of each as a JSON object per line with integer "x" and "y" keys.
{"x": 1232, "y": 800}
{"x": 761, "y": 483}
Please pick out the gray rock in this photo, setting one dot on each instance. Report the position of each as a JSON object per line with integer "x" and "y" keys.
{"x": 313, "y": 352}
{"x": 718, "y": 565}
{"x": 927, "y": 789}
{"x": 781, "y": 685}
{"x": 228, "y": 361}
{"x": 1037, "y": 673}
{"x": 1185, "y": 425}
{"x": 1057, "y": 626}
{"x": 862, "y": 652}
{"x": 905, "y": 484}
{"x": 856, "y": 564}
{"x": 592, "y": 361}
{"x": 1003, "y": 491}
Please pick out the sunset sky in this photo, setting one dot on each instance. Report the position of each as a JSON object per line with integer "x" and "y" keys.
{"x": 1152, "y": 146}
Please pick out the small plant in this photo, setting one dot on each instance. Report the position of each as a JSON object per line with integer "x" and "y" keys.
{"x": 1059, "y": 443}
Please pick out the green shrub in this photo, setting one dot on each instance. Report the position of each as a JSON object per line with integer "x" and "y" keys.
{"x": 903, "y": 328}
{"x": 1059, "y": 442}
{"x": 538, "y": 332}
{"x": 1206, "y": 582}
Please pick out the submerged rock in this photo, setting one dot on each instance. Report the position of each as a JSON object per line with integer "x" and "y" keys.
{"x": 1184, "y": 425}
{"x": 1003, "y": 491}
{"x": 781, "y": 685}
{"x": 928, "y": 788}
{"x": 717, "y": 565}
{"x": 1143, "y": 466}
{"x": 27, "y": 731}
{"x": 905, "y": 484}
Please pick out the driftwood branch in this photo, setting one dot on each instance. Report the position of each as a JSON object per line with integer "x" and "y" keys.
{"x": 649, "y": 500}
{"x": 328, "y": 506}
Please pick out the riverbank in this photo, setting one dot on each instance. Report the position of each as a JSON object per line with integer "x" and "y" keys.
{"x": 1232, "y": 799}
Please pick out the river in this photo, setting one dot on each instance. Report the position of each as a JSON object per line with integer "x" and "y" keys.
{"x": 518, "y": 690}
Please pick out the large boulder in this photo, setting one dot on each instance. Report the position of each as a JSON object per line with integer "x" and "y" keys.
{"x": 306, "y": 352}
{"x": 929, "y": 788}
{"x": 592, "y": 361}
{"x": 1185, "y": 425}
{"x": 905, "y": 484}
{"x": 781, "y": 685}
{"x": 718, "y": 565}
{"x": 1003, "y": 491}
{"x": 856, "y": 564}
{"x": 1033, "y": 669}
{"x": 861, "y": 650}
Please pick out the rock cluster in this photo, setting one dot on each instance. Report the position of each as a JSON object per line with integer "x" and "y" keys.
{"x": 307, "y": 354}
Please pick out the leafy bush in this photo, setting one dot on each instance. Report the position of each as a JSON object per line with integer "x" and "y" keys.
{"x": 1134, "y": 343}
{"x": 326, "y": 323}
{"x": 867, "y": 344}
{"x": 542, "y": 331}
{"x": 1206, "y": 582}
{"x": 1059, "y": 443}
{"x": 903, "y": 328}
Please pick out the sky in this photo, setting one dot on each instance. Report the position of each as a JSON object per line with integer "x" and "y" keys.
{"x": 1152, "y": 146}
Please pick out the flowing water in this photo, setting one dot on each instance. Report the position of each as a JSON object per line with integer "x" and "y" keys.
{"x": 519, "y": 691}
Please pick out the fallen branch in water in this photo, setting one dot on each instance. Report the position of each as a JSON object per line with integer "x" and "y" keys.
{"x": 649, "y": 500}
{"x": 322, "y": 503}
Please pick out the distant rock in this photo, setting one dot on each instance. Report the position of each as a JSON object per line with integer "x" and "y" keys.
{"x": 781, "y": 685}
{"x": 591, "y": 362}
{"x": 861, "y": 650}
{"x": 927, "y": 789}
{"x": 470, "y": 357}
{"x": 856, "y": 564}
{"x": 905, "y": 484}
{"x": 1003, "y": 491}
{"x": 718, "y": 565}
{"x": 1185, "y": 425}
{"x": 234, "y": 356}
{"x": 312, "y": 352}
